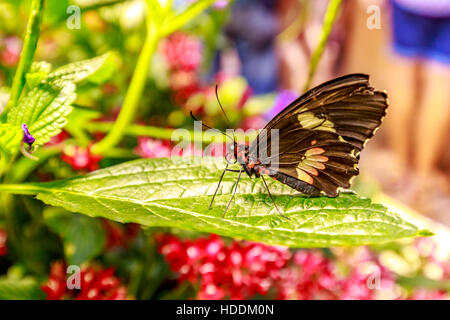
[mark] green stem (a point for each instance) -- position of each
(133, 95)
(25, 189)
(119, 153)
(330, 17)
(132, 130)
(24, 166)
(159, 24)
(103, 4)
(27, 54)
(160, 133)
(190, 13)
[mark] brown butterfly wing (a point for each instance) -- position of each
(322, 133)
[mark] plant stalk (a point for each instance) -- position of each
(24, 189)
(133, 95)
(330, 17)
(163, 133)
(27, 54)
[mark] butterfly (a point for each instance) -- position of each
(320, 137)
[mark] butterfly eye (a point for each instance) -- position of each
(230, 158)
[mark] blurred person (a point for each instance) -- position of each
(302, 23)
(420, 107)
(252, 29)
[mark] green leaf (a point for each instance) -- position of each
(44, 110)
(46, 105)
(38, 72)
(176, 193)
(106, 70)
(82, 70)
(10, 138)
(20, 289)
(83, 237)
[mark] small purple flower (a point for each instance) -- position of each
(282, 100)
(27, 137)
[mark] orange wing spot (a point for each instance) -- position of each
(302, 175)
(310, 170)
(314, 151)
(312, 163)
(313, 142)
(274, 178)
(251, 165)
(318, 158)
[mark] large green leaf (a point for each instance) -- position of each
(83, 238)
(20, 289)
(176, 193)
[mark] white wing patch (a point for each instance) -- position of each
(309, 121)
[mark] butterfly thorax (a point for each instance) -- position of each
(250, 163)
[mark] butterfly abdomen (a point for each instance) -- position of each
(298, 185)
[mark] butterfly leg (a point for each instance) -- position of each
(270, 195)
(234, 192)
(220, 180)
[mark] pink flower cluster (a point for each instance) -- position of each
(3, 248)
(182, 52)
(10, 48)
(247, 270)
(95, 284)
(81, 158)
(237, 271)
(183, 55)
(155, 148)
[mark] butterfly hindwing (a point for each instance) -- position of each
(321, 134)
(319, 159)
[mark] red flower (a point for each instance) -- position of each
(245, 270)
(10, 53)
(81, 158)
(237, 271)
(3, 248)
(63, 135)
(182, 52)
(153, 148)
(119, 235)
(187, 151)
(95, 284)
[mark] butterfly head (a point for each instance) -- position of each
(231, 155)
(236, 153)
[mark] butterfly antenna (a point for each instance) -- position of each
(223, 110)
(208, 127)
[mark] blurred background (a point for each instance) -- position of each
(259, 52)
